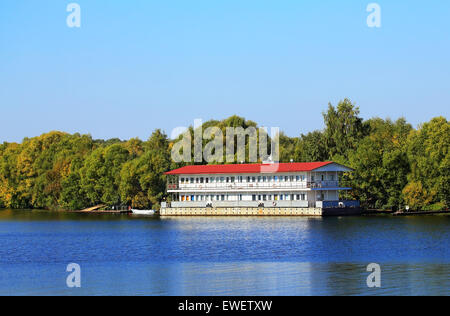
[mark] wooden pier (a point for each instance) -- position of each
(98, 210)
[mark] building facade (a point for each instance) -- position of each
(264, 188)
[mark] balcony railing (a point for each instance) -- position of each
(265, 204)
(253, 185)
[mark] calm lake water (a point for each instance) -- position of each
(129, 255)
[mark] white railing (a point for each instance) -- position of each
(266, 204)
(256, 185)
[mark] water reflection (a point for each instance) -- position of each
(222, 256)
(232, 278)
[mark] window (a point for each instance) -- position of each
(222, 179)
(286, 178)
(259, 178)
(217, 198)
(192, 180)
(281, 197)
(207, 180)
(182, 180)
(192, 198)
(275, 197)
(270, 197)
(259, 197)
(297, 178)
(253, 179)
(264, 197)
(240, 197)
(201, 180)
(197, 180)
(312, 178)
(298, 197)
(264, 179)
(222, 197)
(254, 197)
(291, 178)
(332, 177)
(232, 179)
(275, 178)
(323, 178)
(248, 179)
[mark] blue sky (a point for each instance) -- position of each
(135, 66)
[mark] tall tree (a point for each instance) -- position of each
(311, 147)
(381, 164)
(100, 175)
(343, 129)
(143, 182)
(428, 153)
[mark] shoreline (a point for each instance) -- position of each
(100, 212)
(420, 213)
(363, 213)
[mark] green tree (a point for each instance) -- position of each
(287, 148)
(311, 147)
(143, 182)
(381, 164)
(428, 153)
(343, 129)
(100, 175)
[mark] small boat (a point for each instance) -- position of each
(143, 212)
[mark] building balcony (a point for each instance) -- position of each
(252, 186)
(243, 204)
(264, 204)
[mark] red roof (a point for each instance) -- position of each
(249, 168)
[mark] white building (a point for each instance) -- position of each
(284, 185)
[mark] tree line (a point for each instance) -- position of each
(395, 164)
